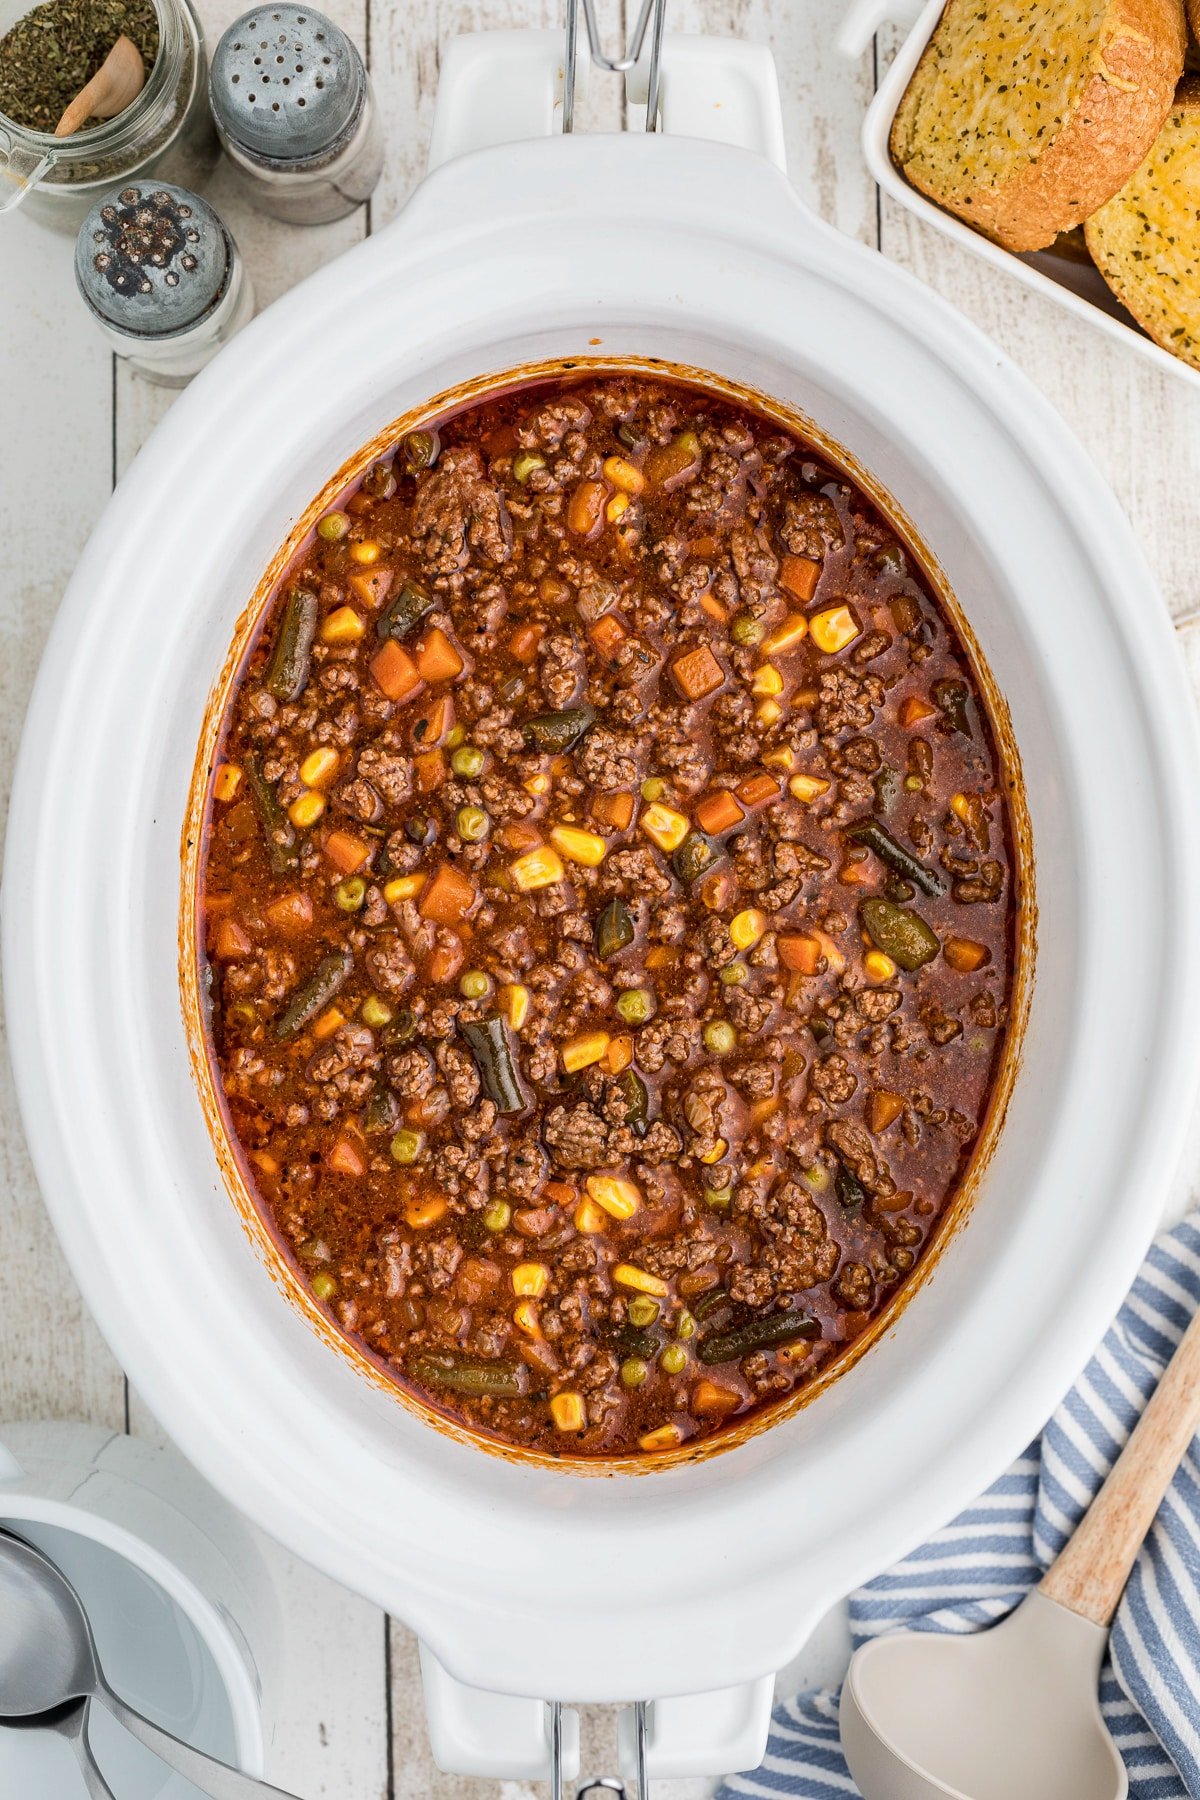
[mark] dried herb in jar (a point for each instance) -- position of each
(53, 51)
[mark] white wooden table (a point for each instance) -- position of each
(71, 420)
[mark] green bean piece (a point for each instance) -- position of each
(852, 1195)
(694, 856)
(614, 929)
(314, 995)
(820, 1027)
(708, 1305)
(632, 1342)
(419, 450)
(890, 560)
(277, 827)
(380, 481)
(887, 787)
(637, 1101)
(899, 891)
(889, 850)
(950, 698)
(490, 1045)
(464, 1375)
(287, 672)
(403, 614)
(757, 1334)
(402, 1029)
(906, 612)
(383, 1111)
(554, 732)
(899, 932)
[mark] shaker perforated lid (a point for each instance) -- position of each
(285, 83)
(152, 259)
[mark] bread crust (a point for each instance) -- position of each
(1107, 135)
(1141, 294)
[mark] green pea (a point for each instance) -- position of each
(686, 1327)
(643, 1310)
(351, 893)
(455, 736)
(471, 823)
(324, 1287)
(525, 462)
(719, 1197)
(674, 1359)
(497, 1215)
(719, 1037)
(474, 984)
(817, 1177)
(407, 1146)
(376, 1012)
(635, 1005)
(633, 1372)
(653, 788)
(333, 526)
(734, 974)
(746, 629)
(467, 760)
(914, 784)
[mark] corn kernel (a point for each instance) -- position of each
(317, 768)
(877, 966)
(767, 680)
(962, 808)
(663, 826)
(580, 1052)
(619, 1197)
(589, 1218)
(616, 508)
(538, 868)
(807, 787)
(663, 1437)
(833, 629)
(638, 1279)
(746, 927)
(716, 1153)
(228, 781)
(307, 809)
(579, 846)
(530, 1278)
(768, 712)
(567, 1412)
(525, 1318)
(787, 635)
(514, 1004)
(404, 887)
(367, 552)
(624, 475)
(426, 1212)
(537, 785)
(782, 758)
(343, 626)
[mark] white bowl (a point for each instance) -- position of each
(531, 1581)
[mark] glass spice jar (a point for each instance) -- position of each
(166, 132)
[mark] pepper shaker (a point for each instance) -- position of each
(163, 279)
(296, 114)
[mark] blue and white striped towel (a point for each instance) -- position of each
(981, 1565)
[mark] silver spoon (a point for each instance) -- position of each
(1015, 1710)
(71, 1722)
(48, 1657)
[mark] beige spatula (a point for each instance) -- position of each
(119, 79)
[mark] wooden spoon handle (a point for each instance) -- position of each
(1089, 1575)
(117, 82)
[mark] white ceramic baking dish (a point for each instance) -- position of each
(526, 1581)
(1074, 284)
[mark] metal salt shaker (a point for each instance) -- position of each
(296, 115)
(163, 279)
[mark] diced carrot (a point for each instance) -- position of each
(217, 903)
(394, 671)
(613, 809)
(756, 789)
(262, 1159)
(346, 852)
(291, 912)
(433, 723)
(426, 1212)
(360, 503)
(761, 1111)
(619, 1054)
(445, 959)
(856, 872)
(372, 585)
(965, 955)
(448, 897)
(346, 1159)
(520, 836)
(562, 1193)
(883, 1109)
(328, 1023)
(430, 770)
(718, 812)
(669, 465)
(710, 1399)
(231, 941)
(914, 710)
(703, 546)
(662, 956)
(799, 951)
(799, 575)
(438, 658)
(714, 609)
(697, 673)
(523, 644)
(585, 513)
(608, 634)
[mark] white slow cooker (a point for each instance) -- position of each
(528, 1583)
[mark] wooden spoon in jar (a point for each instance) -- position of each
(119, 80)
